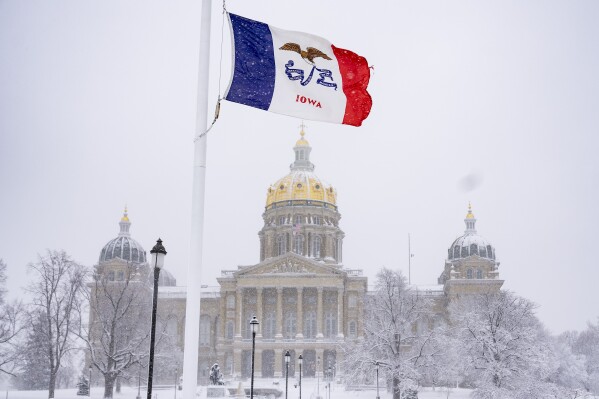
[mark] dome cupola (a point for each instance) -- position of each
(123, 246)
(470, 243)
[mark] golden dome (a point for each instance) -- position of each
(301, 185)
(125, 217)
(469, 215)
(302, 142)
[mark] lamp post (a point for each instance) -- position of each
(287, 360)
(254, 325)
(317, 377)
(176, 375)
(138, 383)
(300, 361)
(89, 391)
(377, 380)
(158, 254)
(330, 373)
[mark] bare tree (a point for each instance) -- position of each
(57, 293)
(396, 335)
(119, 325)
(11, 325)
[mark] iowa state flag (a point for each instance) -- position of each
(297, 74)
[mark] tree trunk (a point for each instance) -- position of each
(108, 385)
(118, 385)
(52, 384)
(396, 391)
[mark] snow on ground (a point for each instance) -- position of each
(309, 391)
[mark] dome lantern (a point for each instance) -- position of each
(302, 151)
(123, 246)
(470, 221)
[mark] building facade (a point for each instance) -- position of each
(306, 300)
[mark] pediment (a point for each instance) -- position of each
(290, 264)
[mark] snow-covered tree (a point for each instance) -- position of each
(56, 290)
(11, 324)
(586, 344)
(396, 334)
(503, 344)
(117, 337)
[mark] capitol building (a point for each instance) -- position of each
(306, 300)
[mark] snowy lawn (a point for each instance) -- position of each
(309, 391)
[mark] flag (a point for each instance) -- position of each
(297, 74)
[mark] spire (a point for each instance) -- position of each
(124, 224)
(470, 221)
(302, 152)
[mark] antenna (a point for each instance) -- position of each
(410, 256)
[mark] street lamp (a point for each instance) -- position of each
(138, 383)
(377, 380)
(330, 373)
(176, 378)
(317, 378)
(287, 360)
(300, 360)
(158, 254)
(254, 325)
(89, 391)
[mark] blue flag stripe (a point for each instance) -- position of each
(253, 80)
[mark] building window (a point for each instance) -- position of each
(352, 329)
(281, 220)
(111, 276)
(281, 245)
(330, 324)
(120, 276)
(352, 301)
(316, 220)
(456, 252)
(473, 249)
(316, 244)
(310, 325)
(490, 253)
(469, 274)
(230, 329)
(230, 301)
(479, 274)
(483, 251)
(298, 244)
(464, 252)
(290, 325)
(204, 330)
(269, 326)
(298, 219)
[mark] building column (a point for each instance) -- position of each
(300, 314)
(239, 309)
(237, 362)
(258, 363)
(259, 311)
(223, 318)
(319, 314)
(279, 360)
(279, 323)
(340, 323)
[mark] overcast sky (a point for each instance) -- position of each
(490, 102)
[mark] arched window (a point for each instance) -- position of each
(316, 220)
(330, 324)
(204, 330)
(290, 325)
(230, 329)
(316, 244)
(469, 274)
(352, 301)
(479, 274)
(268, 331)
(298, 219)
(473, 249)
(490, 253)
(298, 244)
(281, 245)
(456, 251)
(352, 331)
(483, 251)
(310, 325)
(464, 251)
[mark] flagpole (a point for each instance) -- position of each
(194, 267)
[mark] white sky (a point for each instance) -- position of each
(97, 110)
